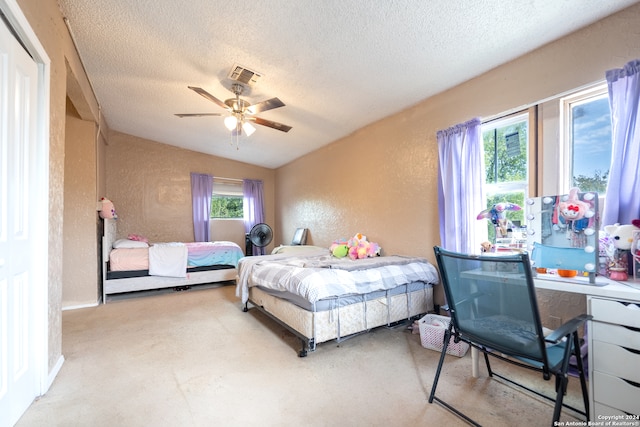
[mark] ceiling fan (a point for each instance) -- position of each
(242, 113)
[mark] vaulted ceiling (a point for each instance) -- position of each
(337, 65)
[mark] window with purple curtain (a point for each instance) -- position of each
(201, 190)
(460, 181)
(253, 207)
(622, 203)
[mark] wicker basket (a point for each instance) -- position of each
(432, 329)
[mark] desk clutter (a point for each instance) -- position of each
(564, 236)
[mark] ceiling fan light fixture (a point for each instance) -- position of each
(248, 128)
(231, 122)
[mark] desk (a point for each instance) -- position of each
(613, 339)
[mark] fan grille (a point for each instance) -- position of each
(261, 235)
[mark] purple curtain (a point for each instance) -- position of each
(201, 190)
(622, 201)
(461, 177)
(253, 207)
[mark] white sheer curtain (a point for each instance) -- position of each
(622, 201)
(461, 177)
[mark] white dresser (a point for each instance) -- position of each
(614, 357)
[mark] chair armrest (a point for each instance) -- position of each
(567, 328)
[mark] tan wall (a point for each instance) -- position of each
(46, 21)
(150, 185)
(80, 250)
(381, 180)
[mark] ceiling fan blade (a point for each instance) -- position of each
(208, 96)
(269, 104)
(197, 114)
(269, 123)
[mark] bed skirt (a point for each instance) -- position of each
(341, 321)
(135, 284)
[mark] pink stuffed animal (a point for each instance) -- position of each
(573, 208)
(357, 247)
(107, 210)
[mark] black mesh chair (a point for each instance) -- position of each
(493, 307)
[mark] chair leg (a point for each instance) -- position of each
(583, 380)
(486, 360)
(432, 396)
(562, 379)
(443, 353)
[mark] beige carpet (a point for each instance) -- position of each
(194, 358)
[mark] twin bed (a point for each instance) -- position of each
(321, 298)
(131, 265)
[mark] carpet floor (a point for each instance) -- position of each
(194, 358)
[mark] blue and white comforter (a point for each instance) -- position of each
(321, 276)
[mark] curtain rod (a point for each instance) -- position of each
(219, 178)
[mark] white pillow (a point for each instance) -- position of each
(128, 244)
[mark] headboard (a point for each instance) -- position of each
(108, 238)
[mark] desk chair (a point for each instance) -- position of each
(493, 307)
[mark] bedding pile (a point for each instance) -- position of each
(320, 275)
(168, 259)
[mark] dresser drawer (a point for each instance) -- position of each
(616, 393)
(604, 310)
(617, 361)
(615, 334)
(599, 410)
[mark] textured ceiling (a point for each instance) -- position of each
(338, 65)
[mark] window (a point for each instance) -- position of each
(226, 200)
(586, 122)
(507, 151)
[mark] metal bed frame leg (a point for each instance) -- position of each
(303, 351)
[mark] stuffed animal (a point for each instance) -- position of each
(574, 209)
(107, 210)
(357, 247)
(621, 235)
(340, 251)
(497, 214)
(620, 240)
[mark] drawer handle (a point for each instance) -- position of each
(627, 304)
(631, 350)
(631, 383)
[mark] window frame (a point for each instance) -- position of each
(530, 187)
(577, 97)
(226, 187)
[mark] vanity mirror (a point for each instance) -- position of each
(562, 233)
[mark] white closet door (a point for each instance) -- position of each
(18, 113)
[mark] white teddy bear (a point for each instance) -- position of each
(622, 235)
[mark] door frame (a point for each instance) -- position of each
(40, 256)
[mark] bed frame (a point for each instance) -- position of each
(133, 284)
(344, 322)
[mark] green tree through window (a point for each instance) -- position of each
(226, 207)
(506, 145)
